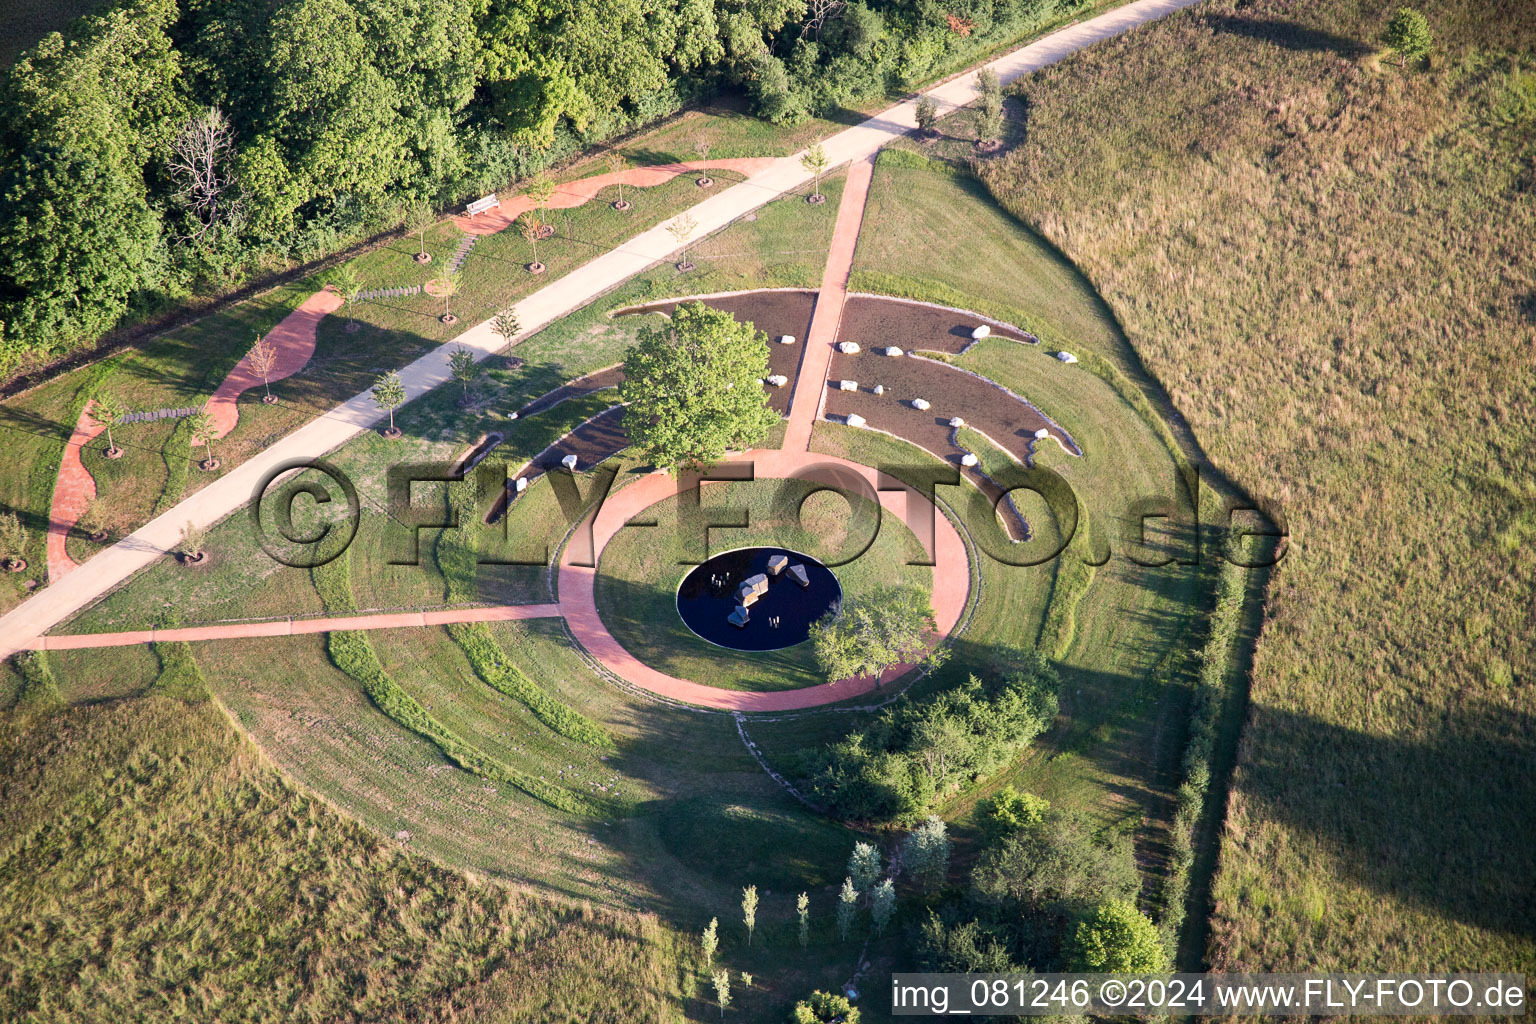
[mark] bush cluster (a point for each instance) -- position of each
(918, 750)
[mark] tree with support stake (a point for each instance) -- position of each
(13, 541)
(203, 432)
(702, 148)
(532, 230)
(344, 279)
(448, 286)
(388, 394)
(541, 190)
(420, 217)
(617, 164)
(107, 411)
(264, 361)
(815, 161)
(507, 326)
(681, 230)
(462, 365)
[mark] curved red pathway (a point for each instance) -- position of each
(294, 342)
(73, 491)
(575, 193)
(951, 580)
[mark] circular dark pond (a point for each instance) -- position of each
(782, 610)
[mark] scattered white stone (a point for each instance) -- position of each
(956, 421)
(1042, 434)
(855, 420)
(969, 459)
(778, 380)
(521, 485)
(848, 348)
(921, 404)
(879, 389)
(569, 462)
(1066, 357)
(512, 417)
(981, 332)
(894, 350)
(786, 339)
(847, 385)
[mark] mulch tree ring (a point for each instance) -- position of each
(423, 258)
(352, 327)
(535, 267)
(209, 465)
(621, 205)
(546, 231)
(16, 565)
(392, 433)
(685, 266)
(99, 537)
(268, 399)
(199, 559)
(705, 182)
(512, 362)
(815, 198)
(113, 453)
(448, 318)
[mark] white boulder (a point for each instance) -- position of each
(921, 404)
(855, 420)
(1042, 434)
(786, 339)
(879, 389)
(569, 462)
(969, 459)
(848, 348)
(778, 380)
(956, 421)
(847, 385)
(521, 484)
(894, 350)
(981, 332)
(1066, 357)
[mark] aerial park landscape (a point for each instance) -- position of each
(941, 498)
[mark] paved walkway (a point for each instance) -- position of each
(571, 194)
(232, 491)
(951, 581)
(297, 627)
(811, 381)
(73, 491)
(293, 341)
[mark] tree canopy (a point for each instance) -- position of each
(691, 388)
(866, 637)
(1118, 938)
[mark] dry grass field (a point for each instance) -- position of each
(1325, 258)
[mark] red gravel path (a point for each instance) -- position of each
(73, 490)
(294, 340)
(583, 190)
(951, 584)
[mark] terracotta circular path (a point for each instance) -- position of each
(951, 581)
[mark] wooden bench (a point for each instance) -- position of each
(482, 204)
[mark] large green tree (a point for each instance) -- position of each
(875, 633)
(691, 388)
(1118, 938)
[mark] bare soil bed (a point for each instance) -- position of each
(873, 320)
(775, 313)
(597, 440)
(1008, 419)
(597, 380)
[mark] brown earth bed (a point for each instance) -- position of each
(874, 321)
(775, 313)
(597, 380)
(595, 441)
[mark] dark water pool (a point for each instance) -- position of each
(780, 618)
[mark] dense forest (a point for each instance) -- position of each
(164, 148)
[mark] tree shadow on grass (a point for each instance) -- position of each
(1289, 35)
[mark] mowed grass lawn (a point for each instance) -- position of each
(641, 569)
(1325, 258)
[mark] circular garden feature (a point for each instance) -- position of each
(758, 598)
